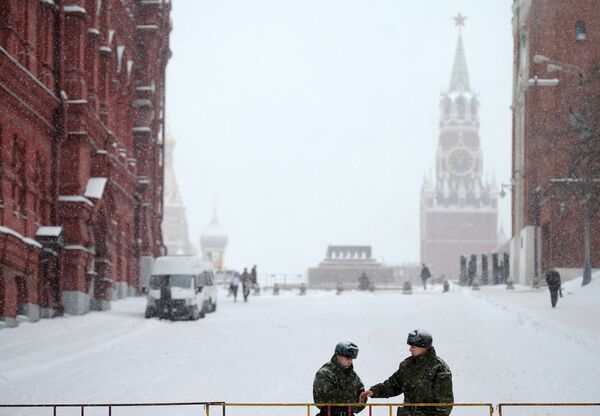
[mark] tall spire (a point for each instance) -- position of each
(459, 82)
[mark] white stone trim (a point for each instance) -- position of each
(79, 247)
(26, 240)
(74, 8)
(26, 71)
(143, 102)
(75, 198)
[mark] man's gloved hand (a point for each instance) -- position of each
(363, 395)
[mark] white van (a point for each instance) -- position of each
(181, 287)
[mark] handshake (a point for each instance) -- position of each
(362, 397)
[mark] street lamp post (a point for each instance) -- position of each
(555, 66)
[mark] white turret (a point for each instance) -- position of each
(213, 241)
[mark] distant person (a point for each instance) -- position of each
(363, 282)
(337, 382)
(423, 378)
(425, 274)
(234, 285)
(554, 283)
(166, 305)
(246, 284)
(253, 275)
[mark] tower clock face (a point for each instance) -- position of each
(460, 161)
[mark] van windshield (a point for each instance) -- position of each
(179, 280)
(174, 280)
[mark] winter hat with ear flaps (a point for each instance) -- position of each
(346, 349)
(420, 338)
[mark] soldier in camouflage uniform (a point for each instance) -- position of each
(336, 382)
(423, 378)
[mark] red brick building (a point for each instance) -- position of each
(459, 214)
(547, 222)
(81, 154)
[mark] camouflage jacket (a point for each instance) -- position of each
(422, 379)
(336, 384)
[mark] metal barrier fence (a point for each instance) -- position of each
(503, 405)
(109, 406)
(350, 405)
(221, 407)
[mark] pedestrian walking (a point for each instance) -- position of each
(234, 285)
(554, 283)
(422, 378)
(253, 275)
(165, 305)
(425, 274)
(337, 382)
(246, 283)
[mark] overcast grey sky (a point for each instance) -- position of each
(313, 122)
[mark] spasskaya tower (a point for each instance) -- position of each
(459, 213)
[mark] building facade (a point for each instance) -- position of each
(548, 213)
(459, 213)
(344, 265)
(81, 154)
(174, 225)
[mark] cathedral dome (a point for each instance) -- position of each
(214, 236)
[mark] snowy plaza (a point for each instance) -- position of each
(502, 346)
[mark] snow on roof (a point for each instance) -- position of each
(74, 8)
(120, 50)
(75, 198)
(129, 69)
(179, 265)
(47, 231)
(95, 187)
(26, 240)
(79, 247)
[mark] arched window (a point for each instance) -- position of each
(19, 172)
(474, 106)
(40, 191)
(4, 151)
(580, 32)
(461, 106)
(446, 107)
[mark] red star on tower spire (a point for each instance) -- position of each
(459, 20)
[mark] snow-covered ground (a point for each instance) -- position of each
(502, 346)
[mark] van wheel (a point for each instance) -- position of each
(202, 313)
(195, 314)
(149, 313)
